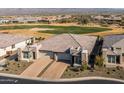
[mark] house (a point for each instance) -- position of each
(10, 43)
(113, 50)
(4, 21)
(74, 49)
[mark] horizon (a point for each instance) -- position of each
(53, 11)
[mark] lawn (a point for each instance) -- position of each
(114, 72)
(58, 29)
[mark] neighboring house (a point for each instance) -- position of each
(71, 48)
(10, 43)
(113, 49)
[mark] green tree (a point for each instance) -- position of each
(83, 20)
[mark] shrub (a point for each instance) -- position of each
(121, 76)
(113, 70)
(119, 68)
(84, 66)
(6, 69)
(76, 69)
(108, 72)
(99, 61)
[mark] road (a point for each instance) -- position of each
(10, 80)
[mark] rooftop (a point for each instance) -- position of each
(61, 43)
(9, 39)
(110, 40)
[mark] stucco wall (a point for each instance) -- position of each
(21, 45)
(2, 52)
(46, 54)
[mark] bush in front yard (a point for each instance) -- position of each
(84, 66)
(75, 69)
(99, 61)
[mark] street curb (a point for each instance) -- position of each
(62, 80)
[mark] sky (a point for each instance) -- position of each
(62, 3)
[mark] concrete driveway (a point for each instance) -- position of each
(36, 68)
(55, 70)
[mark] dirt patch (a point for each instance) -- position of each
(15, 67)
(27, 32)
(111, 32)
(102, 72)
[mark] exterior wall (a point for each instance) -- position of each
(21, 45)
(2, 52)
(123, 59)
(46, 54)
(119, 52)
(104, 50)
(29, 59)
(84, 56)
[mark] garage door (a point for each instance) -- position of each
(63, 56)
(46, 54)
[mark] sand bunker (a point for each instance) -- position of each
(40, 29)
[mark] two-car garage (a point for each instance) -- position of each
(58, 56)
(63, 56)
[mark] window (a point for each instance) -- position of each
(113, 59)
(26, 55)
(109, 59)
(13, 46)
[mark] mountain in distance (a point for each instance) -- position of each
(52, 11)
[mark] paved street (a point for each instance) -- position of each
(12, 80)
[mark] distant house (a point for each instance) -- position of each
(10, 43)
(24, 20)
(72, 48)
(112, 19)
(2, 21)
(113, 49)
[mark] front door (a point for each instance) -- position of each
(72, 62)
(76, 59)
(34, 56)
(118, 59)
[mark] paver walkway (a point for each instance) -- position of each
(55, 71)
(35, 69)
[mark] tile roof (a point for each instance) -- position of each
(61, 43)
(9, 39)
(110, 52)
(119, 43)
(111, 40)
